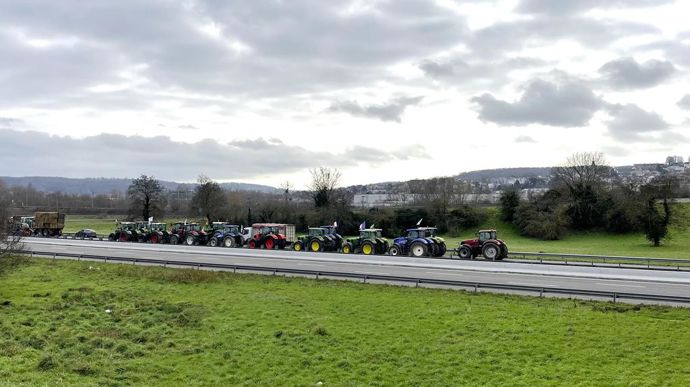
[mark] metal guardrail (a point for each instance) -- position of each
(604, 260)
(476, 286)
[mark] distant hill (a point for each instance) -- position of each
(98, 186)
(504, 173)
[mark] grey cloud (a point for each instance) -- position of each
(630, 121)
(187, 127)
(566, 7)
(461, 72)
(300, 46)
(389, 111)
(567, 104)
(7, 122)
(684, 102)
(524, 139)
(112, 155)
(626, 73)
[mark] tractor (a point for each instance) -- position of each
(324, 238)
(269, 235)
(419, 242)
(369, 242)
(486, 244)
(125, 232)
(188, 233)
(156, 233)
(226, 235)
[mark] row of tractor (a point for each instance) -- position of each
(40, 224)
(417, 242)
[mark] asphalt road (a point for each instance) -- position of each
(585, 278)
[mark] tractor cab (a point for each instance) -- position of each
(129, 226)
(486, 235)
(370, 233)
(158, 227)
(229, 228)
(316, 231)
(421, 232)
(192, 227)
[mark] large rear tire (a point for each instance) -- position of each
(315, 245)
(229, 241)
(490, 251)
(190, 240)
(270, 243)
(155, 238)
(418, 249)
(442, 249)
(465, 252)
(174, 239)
(504, 252)
(123, 237)
(368, 248)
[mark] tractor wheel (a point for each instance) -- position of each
(251, 244)
(141, 238)
(347, 248)
(434, 249)
(123, 237)
(384, 249)
(111, 237)
(442, 249)
(418, 249)
(190, 240)
(270, 243)
(465, 252)
(367, 248)
(394, 250)
(45, 232)
(298, 246)
(490, 251)
(213, 242)
(504, 252)
(154, 239)
(174, 239)
(229, 241)
(315, 245)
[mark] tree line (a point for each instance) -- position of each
(585, 194)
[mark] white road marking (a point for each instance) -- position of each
(536, 285)
(624, 286)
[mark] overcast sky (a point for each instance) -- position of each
(261, 91)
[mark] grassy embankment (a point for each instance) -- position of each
(677, 246)
(172, 327)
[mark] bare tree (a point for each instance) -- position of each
(146, 197)
(208, 199)
(323, 182)
(10, 239)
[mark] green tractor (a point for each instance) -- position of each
(369, 242)
(324, 238)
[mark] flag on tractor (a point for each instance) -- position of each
(363, 225)
(420, 221)
(335, 224)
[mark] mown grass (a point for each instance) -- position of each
(173, 327)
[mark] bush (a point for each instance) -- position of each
(510, 201)
(542, 218)
(465, 217)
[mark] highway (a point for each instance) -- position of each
(622, 280)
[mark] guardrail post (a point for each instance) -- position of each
(476, 288)
(134, 261)
(317, 275)
(275, 271)
(54, 255)
(365, 278)
(541, 292)
(417, 284)
(78, 258)
(615, 297)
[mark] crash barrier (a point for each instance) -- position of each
(417, 281)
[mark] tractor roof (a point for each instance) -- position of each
(372, 229)
(421, 228)
(269, 225)
(487, 231)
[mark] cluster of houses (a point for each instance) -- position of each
(489, 190)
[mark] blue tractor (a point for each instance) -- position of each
(226, 235)
(419, 242)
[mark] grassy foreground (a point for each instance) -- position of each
(173, 327)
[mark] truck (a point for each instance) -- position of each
(48, 223)
(271, 235)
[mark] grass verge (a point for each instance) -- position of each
(87, 324)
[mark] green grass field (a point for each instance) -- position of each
(174, 327)
(677, 246)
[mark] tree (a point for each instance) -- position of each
(10, 241)
(582, 177)
(208, 199)
(323, 183)
(510, 200)
(658, 211)
(146, 197)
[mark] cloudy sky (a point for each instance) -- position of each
(261, 91)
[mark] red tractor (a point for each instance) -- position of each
(486, 244)
(189, 234)
(271, 235)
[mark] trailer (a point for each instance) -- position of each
(48, 223)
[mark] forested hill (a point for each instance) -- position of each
(105, 186)
(504, 173)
